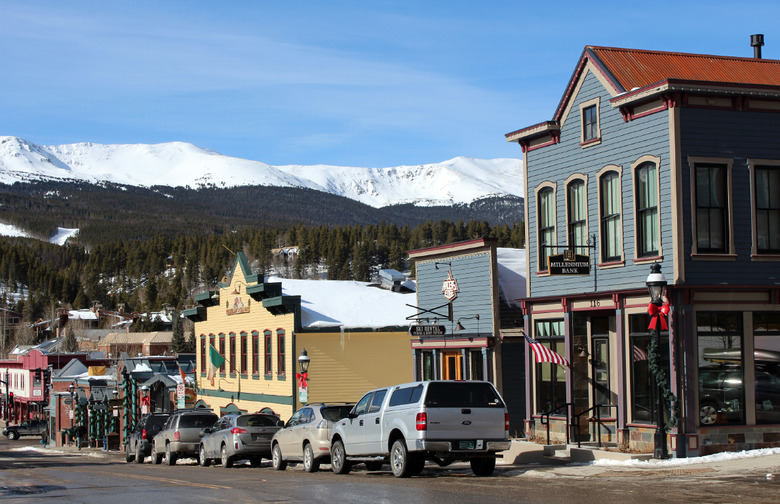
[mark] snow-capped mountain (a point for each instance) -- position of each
(459, 180)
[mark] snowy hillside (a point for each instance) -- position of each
(459, 180)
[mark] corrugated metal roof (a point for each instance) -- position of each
(634, 68)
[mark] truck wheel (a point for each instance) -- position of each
(170, 457)
(128, 453)
(310, 464)
(483, 466)
(338, 458)
(277, 461)
(156, 457)
(139, 454)
(400, 460)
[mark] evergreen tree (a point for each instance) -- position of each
(178, 343)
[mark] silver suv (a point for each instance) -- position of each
(181, 434)
(238, 437)
(306, 435)
(406, 425)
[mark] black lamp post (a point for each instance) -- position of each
(656, 286)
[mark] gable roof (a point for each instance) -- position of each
(631, 74)
(635, 68)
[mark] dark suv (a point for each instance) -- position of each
(181, 434)
(26, 428)
(139, 443)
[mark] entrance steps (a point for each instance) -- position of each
(526, 452)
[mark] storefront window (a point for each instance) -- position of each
(644, 398)
(475, 358)
(721, 368)
(766, 333)
(427, 365)
(550, 378)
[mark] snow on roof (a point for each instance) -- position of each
(347, 304)
(141, 367)
(512, 274)
(84, 314)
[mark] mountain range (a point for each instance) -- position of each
(460, 180)
(110, 192)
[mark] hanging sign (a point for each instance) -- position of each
(450, 287)
(568, 263)
(419, 331)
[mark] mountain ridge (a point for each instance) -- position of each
(461, 180)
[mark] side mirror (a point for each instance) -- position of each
(352, 415)
(279, 423)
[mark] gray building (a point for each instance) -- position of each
(667, 158)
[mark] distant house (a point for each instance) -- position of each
(664, 158)
(139, 344)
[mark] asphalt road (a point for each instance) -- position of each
(29, 475)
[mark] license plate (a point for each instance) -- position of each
(465, 445)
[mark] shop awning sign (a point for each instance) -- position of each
(568, 263)
(425, 330)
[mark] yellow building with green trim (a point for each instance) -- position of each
(355, 334)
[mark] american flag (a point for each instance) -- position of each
(639, 354)
(544, 354)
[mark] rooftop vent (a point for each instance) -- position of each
(756, 41)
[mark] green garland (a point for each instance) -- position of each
(654, 363)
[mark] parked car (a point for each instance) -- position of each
(181, 435)
(722, 394)
(406, 425)
(138, 445)
(306, 435)
(238, 437)
(26, 428)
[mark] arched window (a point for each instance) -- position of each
(610, 209)
(577, 210)
(546, 225)
(647, 234)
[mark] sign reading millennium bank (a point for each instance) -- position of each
(568, 263)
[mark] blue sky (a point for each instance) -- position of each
(352, 83)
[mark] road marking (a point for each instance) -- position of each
(164, 480)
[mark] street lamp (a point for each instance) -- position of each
(303, 361)
(303, 376)
(656, 286)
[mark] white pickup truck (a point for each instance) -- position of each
(405, 425)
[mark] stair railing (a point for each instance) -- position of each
(545, 419)
(577, 418)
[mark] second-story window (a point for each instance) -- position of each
(255, 353)
(577, 213)
(232, 353)
(767, 209)
(222, 351)
(280, 363)
(268, 355)
(243, 353)
(546, 228)
(647, 239)
(611, 235)
(712, 209)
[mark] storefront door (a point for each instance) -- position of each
(452, 366)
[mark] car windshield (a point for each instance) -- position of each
(462, 395)
(335, 413)
(197, 421)
(256, 421)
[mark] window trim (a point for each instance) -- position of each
(594, 104)
(553, 188)
(232, 350)
(753, 165)
(222, 353)
(620, 259)
(730, 253)
(576, 179)
(635, 166)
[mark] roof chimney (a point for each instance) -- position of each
(756, 41)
